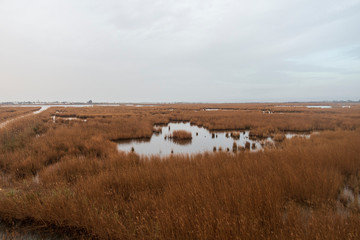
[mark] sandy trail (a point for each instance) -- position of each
(42, 108)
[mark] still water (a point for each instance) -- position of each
(202, 140)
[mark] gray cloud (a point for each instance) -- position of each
(215, 51)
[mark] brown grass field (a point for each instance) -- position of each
(68, 178)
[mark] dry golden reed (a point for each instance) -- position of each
(70, 176)
(181, 135)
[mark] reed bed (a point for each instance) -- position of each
(181, 135)
(69, 176)
(294, 118)
(279, 137)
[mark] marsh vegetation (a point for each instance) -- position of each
(69, 177)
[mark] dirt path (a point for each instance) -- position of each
(3, 124)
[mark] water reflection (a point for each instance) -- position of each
(322, 107)
(55, 118)
(182, 141)
(202, 141)
(291, 135)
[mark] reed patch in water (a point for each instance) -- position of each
(181, 135)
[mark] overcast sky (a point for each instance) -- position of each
(186, 50)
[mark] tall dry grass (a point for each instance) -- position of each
(69, 176)
(180, 135)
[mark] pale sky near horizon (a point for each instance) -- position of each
(179, 51)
